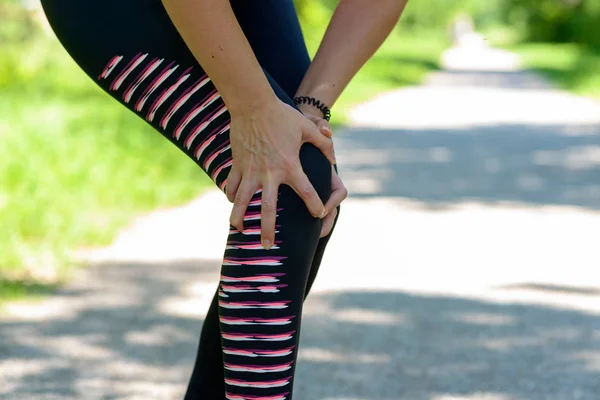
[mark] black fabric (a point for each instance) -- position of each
(249, 340)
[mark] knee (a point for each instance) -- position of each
(318, 170)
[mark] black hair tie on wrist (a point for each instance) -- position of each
(314, 102)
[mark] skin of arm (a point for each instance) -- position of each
(356, 30)
(215, 38)
(265, 133)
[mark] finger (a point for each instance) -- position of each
(307, 193)
(322, 124)
(328, 223)
(338, 194)
(268, 215)
(336, 198)
(320, 141)
(233, 182)
(324, 127)
(240, 204)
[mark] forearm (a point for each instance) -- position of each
(356, 30)
(212, 33)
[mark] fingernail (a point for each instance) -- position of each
(324, 214)
(267, 244)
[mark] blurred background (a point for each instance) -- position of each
(470, 144)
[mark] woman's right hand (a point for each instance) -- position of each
(265, 146)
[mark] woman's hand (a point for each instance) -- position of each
(265, 146)
(338, 194)
(338, 190)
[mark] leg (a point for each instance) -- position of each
(279, 46)
(273, 30)
(148, 68)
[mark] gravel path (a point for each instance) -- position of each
(464, 267)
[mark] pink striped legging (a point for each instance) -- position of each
(249, 341)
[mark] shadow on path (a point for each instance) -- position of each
(126, 330)
(395, 345)
(535, 165)
(114, 333)
(119, 338)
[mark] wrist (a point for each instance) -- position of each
(306, 103)
(247, 96)
(251, 104)
(323, 91)
(309, 110)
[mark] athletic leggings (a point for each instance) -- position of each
(249, 340)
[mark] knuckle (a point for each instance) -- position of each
(268, 204)
(238, 202)
(308, 190)
(268, 234)
(290, 164)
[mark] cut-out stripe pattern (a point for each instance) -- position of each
(258, 322)
(166, 94)
(159, 80)
(182, 100)
(231, 396)
(146, 72)
(133, 64)
(112, 64)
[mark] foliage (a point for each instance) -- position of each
(573, 67)
(15, 23)
(75, 165)
(557, 21)
(428, 15)
(404, 59)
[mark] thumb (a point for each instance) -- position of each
(324, 127)
(322, 124)
(322, 142)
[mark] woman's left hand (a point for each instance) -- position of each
(338, 194)
(338, 190)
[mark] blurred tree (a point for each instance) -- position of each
(558, 21)
(419, 14)
(16, 22)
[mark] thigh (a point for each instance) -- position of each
(274, 32)
(92, 31)
(134, 52)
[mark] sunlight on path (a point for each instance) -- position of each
(464, 265)
(478, 86)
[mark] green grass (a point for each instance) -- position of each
(570, 66)
(76, 165)
(18, 289)
(404, 59)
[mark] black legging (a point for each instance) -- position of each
(249, 342)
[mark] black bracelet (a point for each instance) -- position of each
(314, 102)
